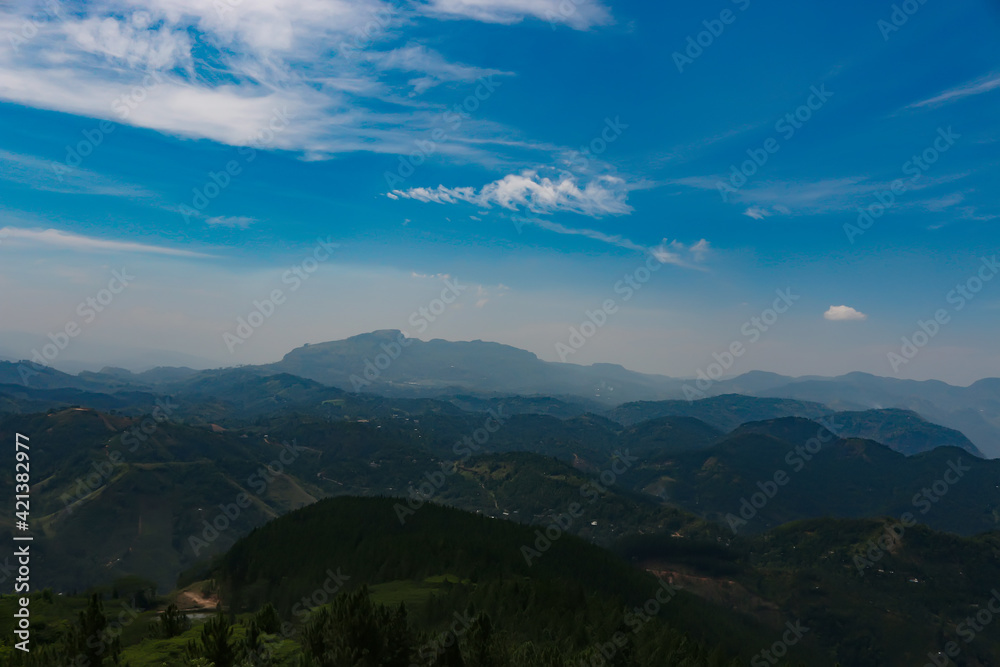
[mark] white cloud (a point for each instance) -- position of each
(601, 195)
(221, 70)
(431, 64)
(132, 41)
(679, 254)
(236, 221)
(757, 213)
(486, 294)
(977, 87)
(70, 241)
(47, 176)
(941, 203)
(841, 313)
(829, 195)
(667, 252)
(579, 14)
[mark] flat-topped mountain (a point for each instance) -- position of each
(387, 362)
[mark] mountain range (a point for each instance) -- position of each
(387, 363)
(441, 481)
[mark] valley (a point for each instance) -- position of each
(861, 525)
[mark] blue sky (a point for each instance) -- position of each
(536, 152)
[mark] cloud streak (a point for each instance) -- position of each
(233, 221)
(70, 241)
(578, 14)
(977, 87)
(817, 197)
(600, 196)
(667, 252)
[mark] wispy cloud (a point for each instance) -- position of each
(612, 239)
(70, 241)
(433, 68)
(57, 177)
(579, 14)
(939, 204)
(816, 197)
(237, 221)
(679, 254)
(599, 196)
(757, 213)
(691, 150)
(222, 70)
(978, 87)
(667, 252)
(486, 294)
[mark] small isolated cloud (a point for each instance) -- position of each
(757, 213)
(841, 313)
(679, 254)
(236, 221)
(485, 294)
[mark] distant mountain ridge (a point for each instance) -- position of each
(389, 364)
(801, 470)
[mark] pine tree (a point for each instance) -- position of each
(89, 638)
(215, 644)
(354, 631)
(172, 622)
